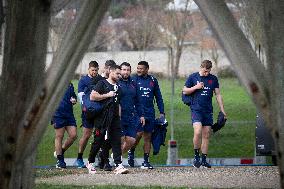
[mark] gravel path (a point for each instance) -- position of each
(216, 177)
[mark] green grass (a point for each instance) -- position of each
(234, 140)
(48, 186)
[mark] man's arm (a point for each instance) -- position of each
(95, 96)
(73, 94)
(190, 90)
(220, 100)
(159, 98)
(81, 90)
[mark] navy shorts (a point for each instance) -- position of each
(206, 118)
(60, 122)
(87, 123)
(128, 127)
(148, 127)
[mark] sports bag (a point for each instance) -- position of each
(186, 99)
(90, 107)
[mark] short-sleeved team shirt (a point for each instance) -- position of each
(84, 83)
(202, 98)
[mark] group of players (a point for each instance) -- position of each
(128, 115)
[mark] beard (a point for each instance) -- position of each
(124, 76)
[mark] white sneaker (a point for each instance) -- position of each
(91, 168)
(120, 170)
(54, 154)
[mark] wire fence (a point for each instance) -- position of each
(235, 140)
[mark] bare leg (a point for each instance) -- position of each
(127, 143)
(138, 138)
(147, 142)
(87, 133)
(197, 135)
(205, 139)
(59, 134)
(72, 136)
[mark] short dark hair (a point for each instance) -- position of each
(109, 63)
(206, 64)
(93, 64)
(125, 64)
(144, 63)
(114, 67)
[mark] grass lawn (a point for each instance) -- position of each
(234, 140)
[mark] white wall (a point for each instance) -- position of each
(189, 63)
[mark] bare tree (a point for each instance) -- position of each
(263, 82)
(173, 25)
(139, 27)
(29, 95)
(210, 46)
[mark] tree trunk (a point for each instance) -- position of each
(273, 27)
(264, 84)
(23, 63)
(179, 46)
(29, 95)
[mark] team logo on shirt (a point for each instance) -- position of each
(145, 91)
(152, 83)
(210, 82)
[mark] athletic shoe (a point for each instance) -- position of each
(107, 167)
(130, 158)
(91, 168)
(146, 165)
(196, 162)
(79, 163)
(205, 165)
(54, 154)
(60, 164)
(120, 169)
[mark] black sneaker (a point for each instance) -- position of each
(196, 162)
(147, 165)
(61, 164)
(205, 165)
(107, 167)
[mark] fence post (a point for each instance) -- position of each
(172, 152)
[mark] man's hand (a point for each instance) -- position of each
(111, 94)
(199, 85)
(162, 116)
(73, 100)
(142, 120)
(225, 115)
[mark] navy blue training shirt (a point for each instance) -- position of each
(202, 98)
(129, 100)
(65, 108)
(148, 89)
(84, 83)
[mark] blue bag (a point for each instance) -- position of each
(90, 107)
(186, 99)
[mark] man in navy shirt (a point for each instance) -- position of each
(88, 125)
(201, 86)
(130, 104)
(63, 119)
(148, 89)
